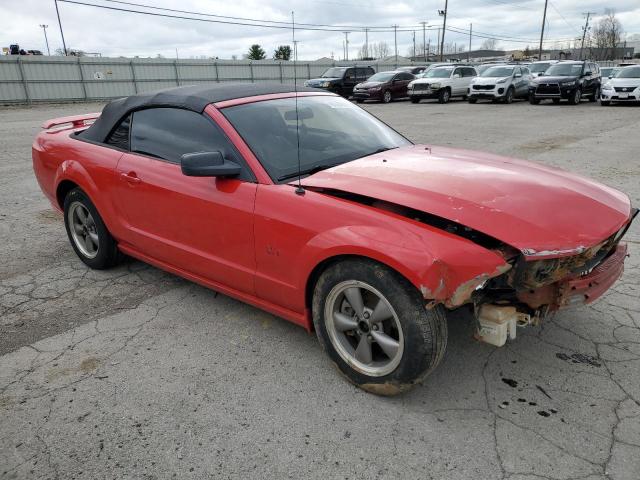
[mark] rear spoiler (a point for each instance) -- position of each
(67, 123)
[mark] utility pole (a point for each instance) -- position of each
(64, 45)
(424, 40)
(544, 20)
(428, 50)
(584, 32)
(46, 40)
(346, 46)
(295, 50)
(414, 44)
(366, 43)
(470, 34)
(438, 43)
(395, 41)
(443, 13)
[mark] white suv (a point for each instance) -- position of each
(624, 87)
(442, 83)
(501, 82)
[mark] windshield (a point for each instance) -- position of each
(331, 129)
(381, 77)
(482, 68)
(333, 73)
(629, 72)
(497, 72)
(539, 67)
(564, 70)
(438, 73)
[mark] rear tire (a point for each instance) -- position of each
(87, 233)
(444, 95)
(393, 343)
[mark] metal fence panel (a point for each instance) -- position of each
(26, 79)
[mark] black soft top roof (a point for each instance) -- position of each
(194, 98)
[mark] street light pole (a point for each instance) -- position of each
(470, 33)
(346, 45)
(424, 41)
(544, 19)
(366, 43)
(64, 45)
(46, 40)
(395, 42)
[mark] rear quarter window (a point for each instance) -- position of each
(120, 136)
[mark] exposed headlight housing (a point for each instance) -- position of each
(502, 80)
(374, 89)
(607, 86)
(435, 85)
(325, 84)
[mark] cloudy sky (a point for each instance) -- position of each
(115, 33)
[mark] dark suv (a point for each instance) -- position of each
(383, 86)
(567, 80)
(341, 80)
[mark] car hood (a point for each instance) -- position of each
(540, 210)
(556, 79)
(318, 81)
(488, 80)
(624, 82)
(369, 84)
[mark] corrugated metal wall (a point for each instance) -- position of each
(27, 79)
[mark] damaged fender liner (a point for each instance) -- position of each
(463, 292)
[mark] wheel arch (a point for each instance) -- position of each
(63, 189)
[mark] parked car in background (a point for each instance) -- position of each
(608, 72)
(624, 87)
(500, 82)
(383, 86)
(342, 225)
(341, 80)
(567, 80)
(414, 69)
(537, 69)
(443, 83)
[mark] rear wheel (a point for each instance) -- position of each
(87, 233)
(374, 326)
(575, 97)
(444, 96)
(386, 96)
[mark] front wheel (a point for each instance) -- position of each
(444, 96)
(415, 100)
(87, 233)
(508, 98)
(473, 100)
(575, 97)
(533, 100)
(386, 96)
(374, 326)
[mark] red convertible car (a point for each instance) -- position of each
(304, 205)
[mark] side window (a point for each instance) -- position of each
(457, 71)
(517, 71)
(525, 71)
(168, 133)
(349, 74)
(407, 76)
(119, 137)
(469, 72)
(368, 72)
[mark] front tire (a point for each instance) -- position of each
(533, 100)
(575, 98)
(444, 96)
(415, 100)
(508, 97)
(374, 326)
(87, 233)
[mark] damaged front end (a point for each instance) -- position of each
(535, 288)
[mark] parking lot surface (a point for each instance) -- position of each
(135, 373)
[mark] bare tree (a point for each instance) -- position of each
(379, 50)
(489, 44)
(606, 35)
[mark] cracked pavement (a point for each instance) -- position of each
(135, 373)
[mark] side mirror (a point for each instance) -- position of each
(456, 75)
(208, 164)
(518, 75)
(610, 76)
(587, 74)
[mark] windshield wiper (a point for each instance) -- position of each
(309, 171)
(380, 150)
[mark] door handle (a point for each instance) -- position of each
(130, 177)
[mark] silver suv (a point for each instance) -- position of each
(501, 83)
(443, 83)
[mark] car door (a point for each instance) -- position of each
(468, 73)
(349, 81)
(516, 81)
(458, 82)
(402, 81)
(201, 225)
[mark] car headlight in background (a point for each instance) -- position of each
(607, 86)
(435, 85)
(568, 84)
(502, 80)
(374, 89)
(325, 84)
(306, 84)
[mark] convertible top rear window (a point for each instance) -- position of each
(332, 131)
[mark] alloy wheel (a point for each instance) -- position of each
(83, 229)
(387, 96)
(364, 328)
